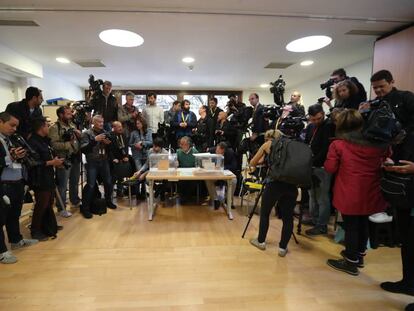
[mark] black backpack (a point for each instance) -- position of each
(380, 126)
(290, 161)
(98, 204)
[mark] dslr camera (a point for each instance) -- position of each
(31, 158)
(327, 84)
(68, 135)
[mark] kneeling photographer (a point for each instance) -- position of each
(275, 191)
(95, 145)
(42, 181)
(65, 139)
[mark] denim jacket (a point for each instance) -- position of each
(146, 139)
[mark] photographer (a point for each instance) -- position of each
(212, 116)
(118, 156)
(153, 114)
(201, 131)
(402, 104)
(169, 119)
(128, 113)
(185, 120)
(105, 104)
(275, 191)
(42, 181)
(318, 135)
(224, 131)
(11, 189)
(95, 145)
(339, 75)
(65, 139)
(26, 110)
(259, 125)
(346, 96)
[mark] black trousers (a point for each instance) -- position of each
(9, 215)
(44, 201)
(356, 236)
(405, 223)
(285, 194)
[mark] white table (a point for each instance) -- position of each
(189, 174)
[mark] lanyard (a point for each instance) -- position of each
(213, 113)
(313, 135)
(186, 117)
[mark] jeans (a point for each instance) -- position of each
(356, 236)
(285, 194)
(63, 176)
(93, 169)
(11, 214)
(319, 198)
(211, 187)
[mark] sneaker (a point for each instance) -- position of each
(360, 263)
(380, 218)
(410, 307)
(398, 288)
(282, 252)
(344, 266)
(39, 236)
(255, 242)
(24, 243)
(65, 213)
(111, 205)
(7, 258)
(317, 230)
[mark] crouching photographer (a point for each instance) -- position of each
(94, 144)
(11, 189)
(65, 139)
(42, 181)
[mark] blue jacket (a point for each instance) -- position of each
(146, 139)
(184, 116)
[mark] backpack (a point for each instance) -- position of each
(290, 161)
(380, 123)
(395, 188)
(98, 204)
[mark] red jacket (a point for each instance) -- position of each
(358, 172)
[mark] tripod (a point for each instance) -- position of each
(254, 209)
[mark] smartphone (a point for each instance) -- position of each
(388, 164)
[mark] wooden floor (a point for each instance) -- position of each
(188, 258)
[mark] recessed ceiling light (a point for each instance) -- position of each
(121, 38)
(306, 63)
(63, 60)
(188, 60)
(264, 85)
(308, 44)
(185, 83)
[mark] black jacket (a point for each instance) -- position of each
(402, 104)
(119, 147)
(108, 110)
(21, 111)
(201, 136)
(212, 123)
(319, 140)
(230, 159)
(258, 122)
(42, 177)
(94, 151)
(229, 133)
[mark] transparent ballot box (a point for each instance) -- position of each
(162, 163)
(209, 163)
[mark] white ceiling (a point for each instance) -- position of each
(231, 40)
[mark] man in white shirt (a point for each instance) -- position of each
(153, 114)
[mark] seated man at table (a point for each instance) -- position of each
(230, 163)
(186, 158)
(157, 148)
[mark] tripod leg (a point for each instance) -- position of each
(253, 210)
(294, 237)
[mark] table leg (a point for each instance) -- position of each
(130, 196)
(151, 200)
(229, 198)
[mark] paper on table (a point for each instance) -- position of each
(228, 173)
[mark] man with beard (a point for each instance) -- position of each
(184, 121)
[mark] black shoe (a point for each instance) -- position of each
(216, 204)
(360, 263)
(59, 227)
(317, 230)
(86, 213)
(398, 288)
(233, 207)
(343, 265)
(111, 205)
(39, 236)
(410, 307)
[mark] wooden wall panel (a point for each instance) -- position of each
(396, 54)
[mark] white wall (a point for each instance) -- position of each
(311, 90)
(7, 94)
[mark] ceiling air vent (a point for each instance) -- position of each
(5, 22)
(278, 65)
(360, 32)
(94, 63)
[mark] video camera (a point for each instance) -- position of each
(116, 143)
(327, 84)
(31, 158)
(272, 112)
(278, 90)
(95, 85)
(292, 126)
(80, 117)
